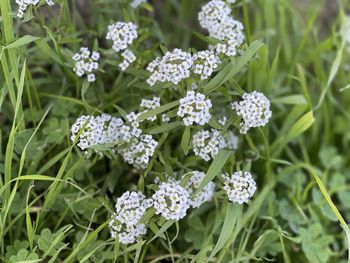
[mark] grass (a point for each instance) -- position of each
(56, 204)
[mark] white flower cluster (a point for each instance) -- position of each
(345, 32)
(173, 66)
(122, 34)
(194, 108)
(196, 200)
(139, 151)
(206, 145)
(216, 17)
(254, 110)
(136, 3)
(98, 130)
(128, 58)
(204, 63)
(23, 5)
(135, 148)
(86, 63)
(130, 208)
(171, 201)
(240, 186)
(231, 140)
(138, 148)
(150, 104)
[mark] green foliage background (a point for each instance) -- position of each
(55, 204)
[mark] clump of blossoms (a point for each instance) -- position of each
(172, 67)
(130, 208)
(240, 186)
(23, 5)
(123, 35)
(139, 151)
(86, 63)
(206, 145)
(171, 200)
(149, 105)
(194, 108)
(231, 140)
(136, 3)
(204, 63)
(128, 58)
(215, 16)
(206, 194)
(254, 110)
(98, 130)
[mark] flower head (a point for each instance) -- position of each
(254, 110)
(98, 130)
(171, 201)
(86, 63)
(240, 186)
(216, 17)
(122, 34)
(130, 208)
(139, 150)
(128, 58)
(204, 63)
(149, 105)
(196, 200)
(194, 108)
(135, 3)
(206, 145)
(23, 5)
(172, 67)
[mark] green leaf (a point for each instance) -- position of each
(185, 141)
(291, 99)
(300, 126)
(233, 68)
(158, 110)
(315, 243)
(215, 168)
(22, 41)
(233, 212)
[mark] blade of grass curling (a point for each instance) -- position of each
(233, 68)
(215, 168)
(233, 212)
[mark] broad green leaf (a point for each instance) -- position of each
(233, 212)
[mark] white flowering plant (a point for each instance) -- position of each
(174, 131)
